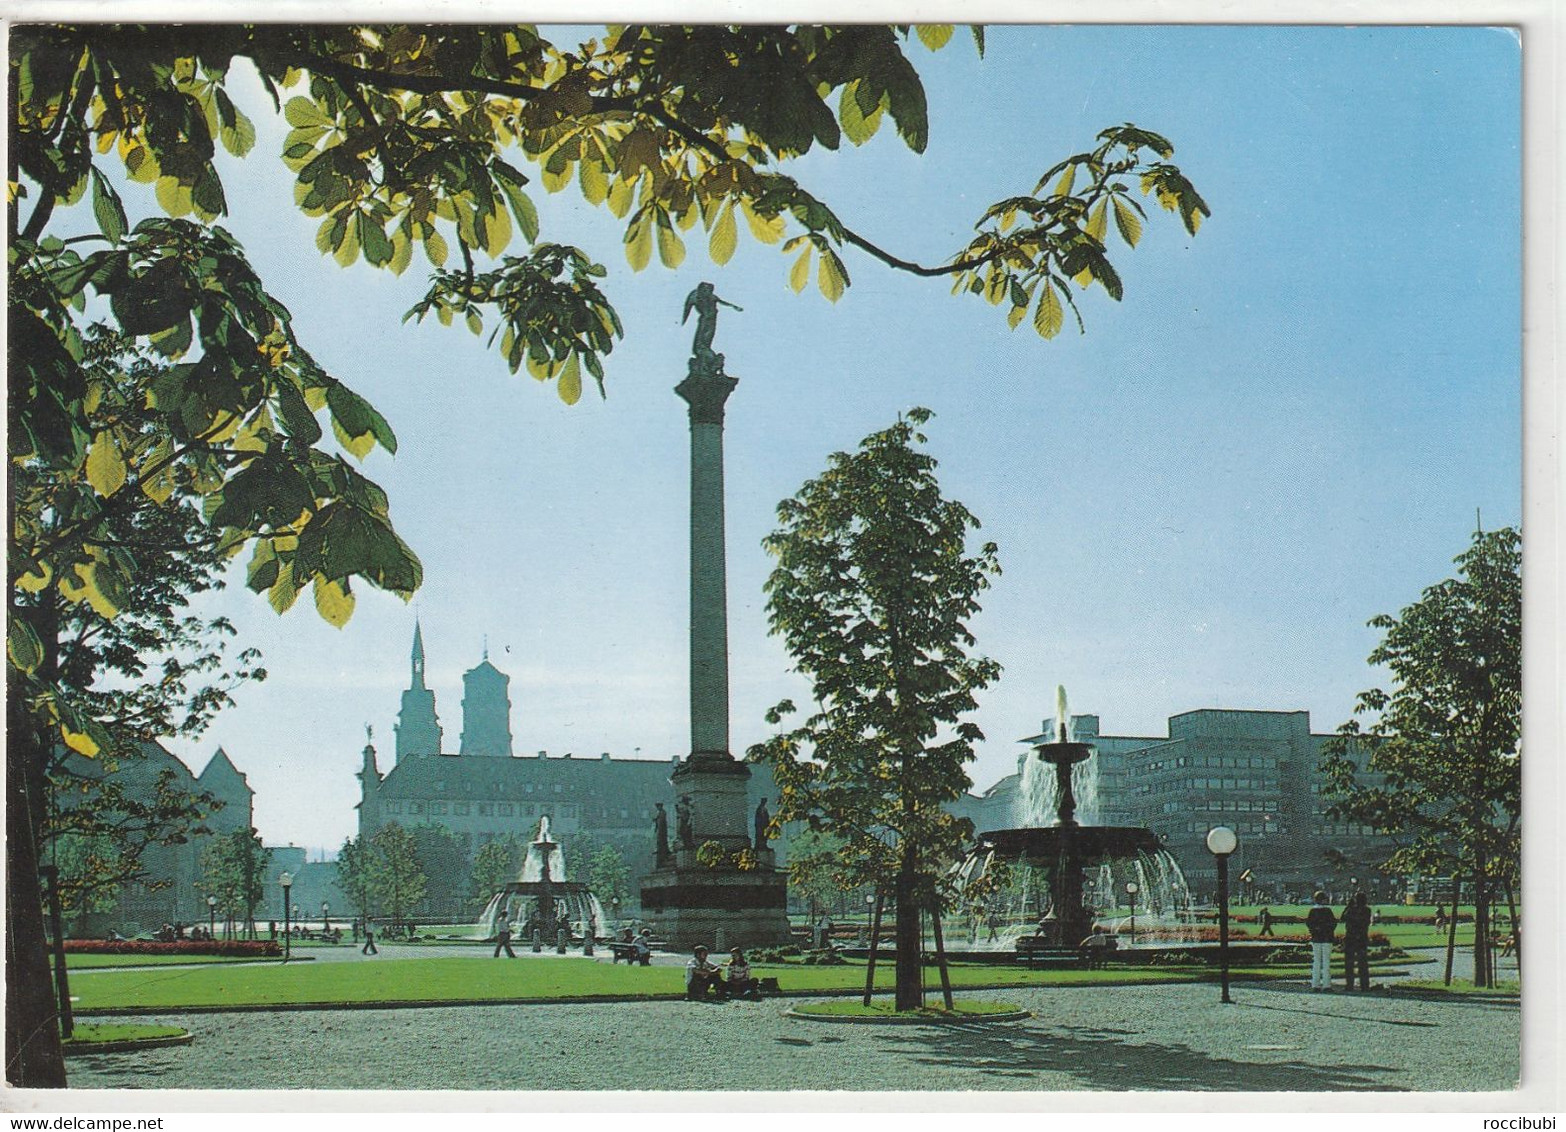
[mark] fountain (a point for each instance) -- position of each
(542, 899)
(1053, 881)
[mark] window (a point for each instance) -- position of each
(529, 810)
(415, 807)
(486, 809)
(394, 807)
(557, 788)
(437, 807)
(440, 784)
(459, 807)
(505, 809)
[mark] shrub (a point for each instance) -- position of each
(242, 948)
(824, 957)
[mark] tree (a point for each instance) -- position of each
(403, 137)
(353, 874)
(396, 881)
(1438, 769)
(495, 865)
(443, 860)
(871, 594)
(233, 868)
(609, 876)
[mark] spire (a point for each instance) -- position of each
(370, 772)
(418, 655)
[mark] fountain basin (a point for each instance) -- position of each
(1084, 843)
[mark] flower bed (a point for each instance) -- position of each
(237, 948)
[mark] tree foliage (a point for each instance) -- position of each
(872, 592)
(396, 881)
(353, 875)
(495, 865)
(442, 858)
(609, 876)
(234, 869)
(1439, 767)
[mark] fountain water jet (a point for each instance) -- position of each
(542, 898)
(1053, 881)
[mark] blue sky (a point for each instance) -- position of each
(1284, 429)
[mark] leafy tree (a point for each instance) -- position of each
(233, 868)
(353, 875)
(443, 860)
(396, 881)
(403, 137)
(817, 867)
(494, 866)
(609, 876)
(872, 591)
(1438, 770)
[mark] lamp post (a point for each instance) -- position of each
(326, 917)
(1131, 891)
(1221, 841)
(287, 881)
(211, 917)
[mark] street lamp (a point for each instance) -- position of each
(1131, 891)
(1221, 841)
(326, 917)
(211, 916)
(287, 881)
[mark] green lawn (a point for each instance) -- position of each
(462, 980)
(1509, 988)
(79, 962)
(98, 1033)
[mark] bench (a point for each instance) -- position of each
(627, 951)
(1044, 956)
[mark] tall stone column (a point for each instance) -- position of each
(714, 879)
(706, 392)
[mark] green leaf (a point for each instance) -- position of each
(1098, 221)
(1068, 180)
(934, 36)
(105, 464)
(107, 209)
(1048, 316)
(724, 237)
(830, 276)
(1128, 222)
(638, 242)
(522, 207)
(304, 112)
(22, 645)
(595, 186)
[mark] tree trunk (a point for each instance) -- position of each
(875, 935)
(940, 955)
(1481, 923)
(33, 1058)
(1511, 908)
(910, 985)
(1451, 928)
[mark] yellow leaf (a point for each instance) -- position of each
(33, 582)
(671, 249)
(799, 274)
(1068, 179)
(620, 194)
(434, 247)
(333, 601)
(570, 384)
(1128, 222)
(497, 227)
(595, 186)
(105, 465)
(173, 197)
(79, 741)
(638, 243)
(1098, 221)
(1048, 316)
(724, 237)
(934, 36)
(767, 229)
(359, 446)
(829, 278)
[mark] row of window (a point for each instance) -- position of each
(494, 787)
(1227, 762)
(1256, 828)
(485, 809)
(1343, 829)
(1226, 807)
(1182, 785)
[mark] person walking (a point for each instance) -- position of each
(1265, 917)
(1321, 924)
(1356, 942)
(503, 940)
(369, 947)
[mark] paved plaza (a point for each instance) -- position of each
(1275, 1037)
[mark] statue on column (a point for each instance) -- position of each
(704, 301)
(682, 820)
(660, 833)
(763, 820)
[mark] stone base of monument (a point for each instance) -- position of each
(691, 904)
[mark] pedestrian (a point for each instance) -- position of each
(503, 940)
(1356, 942)
(1440, 916)
(1265, 917)
(1321, 924)
(369, 947)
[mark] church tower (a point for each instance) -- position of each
(418, 729)
(486, 711)
(369, 776)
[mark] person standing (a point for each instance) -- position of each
(1265, 917)
(1356, 942)
(1321, 924)
(503, 940)
(369, 947)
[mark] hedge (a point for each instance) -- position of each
(239, 948)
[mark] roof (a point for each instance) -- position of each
(220, 768)
(417, 776)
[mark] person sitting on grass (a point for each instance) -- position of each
(703, 977)
(739, 978)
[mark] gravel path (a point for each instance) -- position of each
(1275, 1037)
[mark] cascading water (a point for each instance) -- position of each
(543, 898)
(1012, 883)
